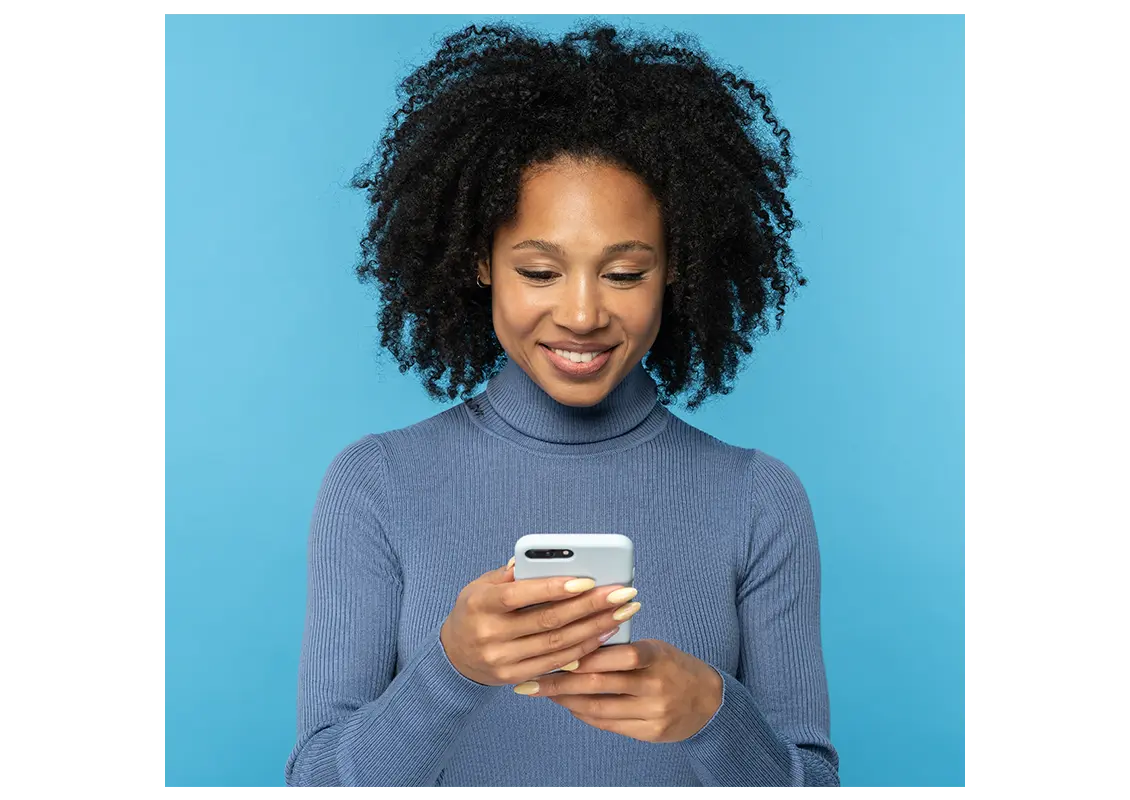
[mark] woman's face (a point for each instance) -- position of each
(583, 262)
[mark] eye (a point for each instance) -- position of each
(536, 276)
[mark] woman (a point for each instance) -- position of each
(535, 204)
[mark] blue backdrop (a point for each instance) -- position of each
(272, 364)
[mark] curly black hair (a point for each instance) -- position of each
(495, 100)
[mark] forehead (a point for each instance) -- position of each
(585, 201)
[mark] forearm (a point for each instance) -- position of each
(402, 738)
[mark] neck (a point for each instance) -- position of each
(518, 408)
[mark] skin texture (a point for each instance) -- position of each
(494, 637)
(647, 690)
(579, 295)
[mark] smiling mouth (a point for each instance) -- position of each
(577, 357)
(577, 364)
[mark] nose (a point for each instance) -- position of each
(579, 307)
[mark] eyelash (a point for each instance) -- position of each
(621, 277)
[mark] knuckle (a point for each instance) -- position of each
(490, 657)
(488, 630)
(634, 658)
(508, 597)
(554, 639)
(548, 618)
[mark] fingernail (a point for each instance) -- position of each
(572, 665)
(580, 585)
(622, 595)
(622, 614)
(510, 563)
(529, 687)
(605, 637)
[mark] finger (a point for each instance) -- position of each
(591, 631)
(504, 574)
(517, 595)
(562, 684)
(604, 706)
(618, 657)
(562, 659)
(549, 616)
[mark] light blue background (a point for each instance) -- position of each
(272, 361)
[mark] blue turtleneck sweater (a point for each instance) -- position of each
(727, 569)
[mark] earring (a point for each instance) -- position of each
(479, 282)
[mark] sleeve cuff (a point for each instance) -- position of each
(737, 746)
(440, 680)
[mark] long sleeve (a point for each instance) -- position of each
(773, 725)
(360, 723)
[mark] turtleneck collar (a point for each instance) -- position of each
(517, 408)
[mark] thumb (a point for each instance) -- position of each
(504, 574)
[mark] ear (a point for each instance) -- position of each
(484, 273)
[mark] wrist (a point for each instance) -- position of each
(712, 697)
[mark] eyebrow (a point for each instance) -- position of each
(632, 245)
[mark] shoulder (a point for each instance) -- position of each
(766, 475)
(369, 458)
(770, 481)
(775, 480)
(704, 445)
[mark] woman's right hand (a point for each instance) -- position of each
(492, 639)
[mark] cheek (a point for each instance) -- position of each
(517, 315)
(643, 318)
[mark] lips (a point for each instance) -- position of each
(575, 348)
(578, 369)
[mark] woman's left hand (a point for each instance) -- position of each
(648, 690)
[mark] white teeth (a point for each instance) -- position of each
(576, 358)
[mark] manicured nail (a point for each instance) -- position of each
(606, 636)
(510, 563)
(580, 585)
(622, 614)
(622, 595)
(529, 687)
(572, 665)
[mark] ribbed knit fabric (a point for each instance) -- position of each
(727, 569)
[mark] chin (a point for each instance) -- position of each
(578, 395)
(575, 403)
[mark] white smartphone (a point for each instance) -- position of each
(607, 558)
